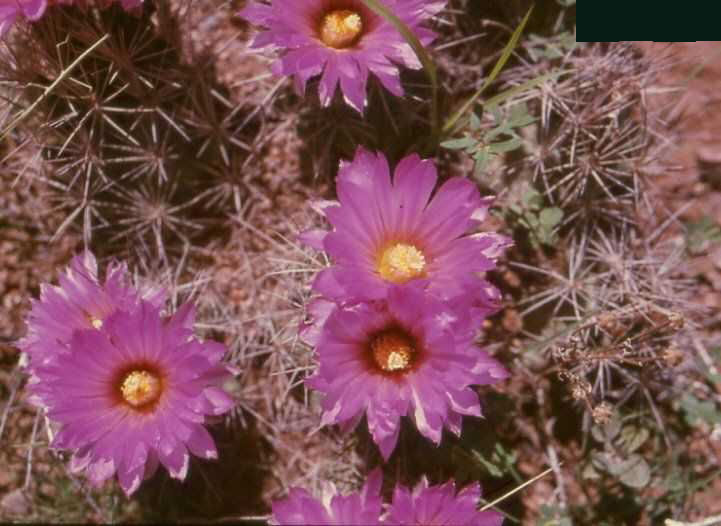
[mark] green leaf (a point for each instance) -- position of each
(551, 217)
(532, 199)
(481, 159)
(505, 457)
(608, 432)
(633, 437)
(519, 115)
(713, 377)
(492, 134)
(521, 121)
(612, 427)
(475, 122)
(481, 155)
(459, 144)
(492, 469)
(552, 47)
(496, 112)
(699, 410)
(451, 122)
(506, 146)
(634, 472)
(552, 516)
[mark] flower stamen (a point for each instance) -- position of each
(340, 28)
(140, 388)
(401, 263)
(392, 351)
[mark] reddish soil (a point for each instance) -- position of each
(690, 172)
(690, 178)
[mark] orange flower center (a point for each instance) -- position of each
(401, 262)
(140, 388)
(392, 351)
(340, 28)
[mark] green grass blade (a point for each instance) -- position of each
(380, 9)
(450, 124)
(528, 85)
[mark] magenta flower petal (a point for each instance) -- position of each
(388, 231)
(10, 10)
(313, 238)
(8, 16)
(439, 506)
(299, 508)
(134, 393)
(132, 470)
(131, 4)
(33, 9)
(318, 311)
(343, 40)
(425, 505)
(80, 301)
(201, 444)
(362, 508)
(408, 355)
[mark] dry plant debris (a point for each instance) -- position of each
(173, 146)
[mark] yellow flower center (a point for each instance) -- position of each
(401, 262)
(392, 351)
(140, 388)
(340, 28)
(96, 323)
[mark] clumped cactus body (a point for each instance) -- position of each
(140, 139)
